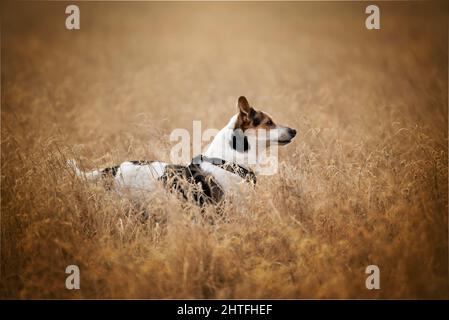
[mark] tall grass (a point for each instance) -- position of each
(364, 182)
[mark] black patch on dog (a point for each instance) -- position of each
(141, 162)
(111, 171)
(192, 183)
(256, 119)
(239, 142)
(246, 174)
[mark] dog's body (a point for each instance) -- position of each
(223, 169)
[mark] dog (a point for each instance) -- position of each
(221, 170)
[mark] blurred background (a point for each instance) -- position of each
(166, 64)
(367, 173)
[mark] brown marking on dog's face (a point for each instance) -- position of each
(249, 118)
(259, 125)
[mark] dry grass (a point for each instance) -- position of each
(365, 182)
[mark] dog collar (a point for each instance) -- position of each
(245, 173)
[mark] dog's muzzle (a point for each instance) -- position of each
(291, 133)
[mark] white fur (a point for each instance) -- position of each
(129, 177)
(140, 177)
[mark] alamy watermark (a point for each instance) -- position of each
(72, 282)
(373, 280)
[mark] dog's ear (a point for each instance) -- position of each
(244, 108)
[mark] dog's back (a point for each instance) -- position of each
(190, 181)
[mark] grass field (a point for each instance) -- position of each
(364, 182)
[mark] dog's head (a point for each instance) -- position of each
(254, 125)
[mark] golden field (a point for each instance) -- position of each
(364, 182)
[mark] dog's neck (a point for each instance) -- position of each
(222, 147)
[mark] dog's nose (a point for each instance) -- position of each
(292, 132)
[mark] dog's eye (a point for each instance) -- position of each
(269, 123)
